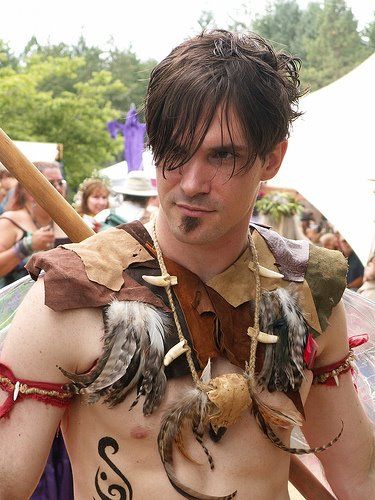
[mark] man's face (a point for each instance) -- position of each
(56, 179)
(201, 202)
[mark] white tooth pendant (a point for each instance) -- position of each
(264, 338)
(175, 351)
(164, 280)
(266, 273)
(16, 390)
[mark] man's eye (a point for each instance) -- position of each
(224, 156)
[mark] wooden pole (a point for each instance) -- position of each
(42, 191)
(306, 483)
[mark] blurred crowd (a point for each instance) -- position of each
(322, 233)
(25, 228)
(292, 216)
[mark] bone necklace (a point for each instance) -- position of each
(219, 388)
(219, 402)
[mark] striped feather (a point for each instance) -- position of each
(133, 353)
(193, 407)
(280, 315)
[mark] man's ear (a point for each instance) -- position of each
(274, 160)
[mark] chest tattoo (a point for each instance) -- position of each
(124, 488)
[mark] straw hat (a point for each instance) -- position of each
(137, 183)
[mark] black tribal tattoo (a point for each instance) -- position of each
(124, 489)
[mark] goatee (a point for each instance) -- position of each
(188, 224)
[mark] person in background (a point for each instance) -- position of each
(329, 240)
(25, 228)
(92, 198)
(367, 290)
(139, 199)
(306, 218)
(355, 267)
(7, 185)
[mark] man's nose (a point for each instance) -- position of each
(195, 178)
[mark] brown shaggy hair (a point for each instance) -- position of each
(239, 72)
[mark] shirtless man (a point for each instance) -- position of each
(218, 111)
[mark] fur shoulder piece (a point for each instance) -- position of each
(326, 277)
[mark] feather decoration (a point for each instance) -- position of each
(193, 407)
(275, 415)
(261, 416)
(133, 350)
(280, 315)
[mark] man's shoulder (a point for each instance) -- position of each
(48, 339)
(323, 271)
(90, 273)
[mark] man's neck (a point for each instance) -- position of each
(207, 260)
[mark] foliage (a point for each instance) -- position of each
(280, 24)
(66, 93)
(278, 204)
(369, 35)
(324, 35)
(338, 46)
(6, 56)
(44, 101)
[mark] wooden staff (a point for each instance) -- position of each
(306, 483)
(42, 191)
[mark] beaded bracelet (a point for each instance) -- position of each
(23, 248)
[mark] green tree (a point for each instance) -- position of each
(34, 107)
(338, 47)
(280, 24)
(7, 58)
(325, 36)
(369, 35)
(125, 66)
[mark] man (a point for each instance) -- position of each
(196, 286)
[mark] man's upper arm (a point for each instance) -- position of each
(38, 342)
(347, 463)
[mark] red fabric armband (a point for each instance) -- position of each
(19, 389)
(328, 375)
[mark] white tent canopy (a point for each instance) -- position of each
(117, 172)
(330, 158)
(39, 151)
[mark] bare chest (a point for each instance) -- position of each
(128, 440)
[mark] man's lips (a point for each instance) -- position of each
(193, 211)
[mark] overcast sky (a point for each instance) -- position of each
(152, 27)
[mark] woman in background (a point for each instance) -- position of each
(25, 228)
(92, 198)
